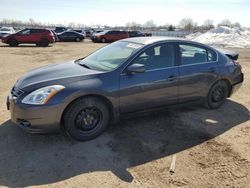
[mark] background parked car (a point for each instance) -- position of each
(70, 36)
(89, 32)
(55, 35)
(80, 31)
(40, 37)
(60, 29)
(6, 31)
(147, 34)
(135, 34)
(109, 36)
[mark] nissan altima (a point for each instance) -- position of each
(83, 96)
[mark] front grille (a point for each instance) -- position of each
(16, 92)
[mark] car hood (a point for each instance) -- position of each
(63, 74)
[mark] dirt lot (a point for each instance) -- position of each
(212, 147)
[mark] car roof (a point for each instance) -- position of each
(151, 40)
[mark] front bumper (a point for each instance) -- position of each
(35, 119)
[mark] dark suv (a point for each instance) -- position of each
(135, 34)
(109, 36)
(40, 37)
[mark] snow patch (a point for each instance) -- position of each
(223, 37)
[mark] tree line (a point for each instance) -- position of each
(185, 24)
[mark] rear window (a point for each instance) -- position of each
(211, 55)
(191, 54)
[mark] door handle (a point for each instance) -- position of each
(211, 70)
(171, 78)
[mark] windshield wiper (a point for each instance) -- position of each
(79, 59)
(84, 65)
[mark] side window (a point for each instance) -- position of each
(71, 34)
(192, 54)
(25, 32)
(211, 56)
(157, 57)
(35, 31)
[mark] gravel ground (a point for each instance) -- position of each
(211, 147)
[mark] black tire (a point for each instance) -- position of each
(217, 95)
(86, 118)
(13, 43)
(44, 43)
(78, 39)
(103, 40)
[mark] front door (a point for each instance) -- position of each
(24, 36)
(157, 86)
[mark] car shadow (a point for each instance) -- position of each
(24, 46)
(27, 160)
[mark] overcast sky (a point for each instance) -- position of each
(119, 12)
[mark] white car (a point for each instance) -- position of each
(6, 31)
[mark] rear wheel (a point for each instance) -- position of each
(44, 43)
(86, 118)
(77, 39)
(13, 43)
(217, 95)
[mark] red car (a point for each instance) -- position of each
(40, 37)
(109, 36)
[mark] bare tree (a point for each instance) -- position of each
(149, 24)
(208, 24)
(236, 24)
(187, 24)
(133, 25)
(225, 22)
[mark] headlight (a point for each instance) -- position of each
(43, 95)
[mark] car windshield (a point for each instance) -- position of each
(110, 57)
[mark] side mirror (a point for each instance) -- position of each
(136, 68)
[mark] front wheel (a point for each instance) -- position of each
(86, 118)
(103, 40)
(217, 95)
(13, 43)
(44, 43)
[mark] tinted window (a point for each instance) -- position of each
(211, 56)
(25, 32)
(68, 34)
(111, 32)
(35, 31)
(122, 32)
(160, 56)
(192, 54)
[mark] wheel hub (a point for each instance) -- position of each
(218, 94)
(88, 119)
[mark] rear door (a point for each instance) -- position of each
(66, 36)
(198, 69)
(122, 35)
(110, 36)
(155, 87)
(35, 35)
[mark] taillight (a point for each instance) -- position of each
(51, 34)
(237, 63)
